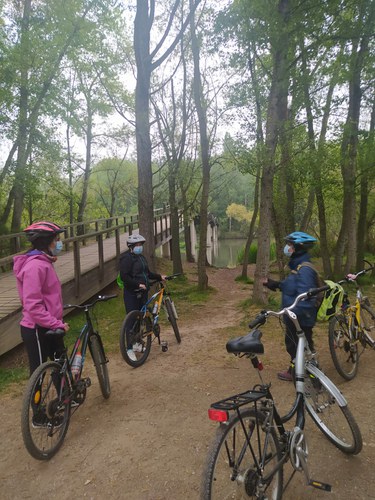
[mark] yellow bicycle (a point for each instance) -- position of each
(140, 328)
(352, 329)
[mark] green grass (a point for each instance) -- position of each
(9, 376)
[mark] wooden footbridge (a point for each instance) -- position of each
(88, 264)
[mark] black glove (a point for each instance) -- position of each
(272, 284)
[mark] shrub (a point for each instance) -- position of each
(253, 253)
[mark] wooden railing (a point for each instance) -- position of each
(82, 233)
(17, 242)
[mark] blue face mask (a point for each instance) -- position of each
(138, 249)
(58, 248)
(288, 250)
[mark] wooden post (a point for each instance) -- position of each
(101, 257)
(77, 268)
(117, 236)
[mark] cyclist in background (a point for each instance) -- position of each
(40, 293)
(135, 274)
(302, 277)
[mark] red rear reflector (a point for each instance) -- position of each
(260, 366)
(218, 415)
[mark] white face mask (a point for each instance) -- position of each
(288, 250)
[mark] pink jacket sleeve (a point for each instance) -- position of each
(33, 302)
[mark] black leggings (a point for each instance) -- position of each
(40, 347)
(291, 338)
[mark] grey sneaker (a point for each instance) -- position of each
(137, 347)
(131, 355)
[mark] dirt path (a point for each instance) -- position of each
(149, 440)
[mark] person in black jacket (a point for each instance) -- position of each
(301, 278)
(135, 274)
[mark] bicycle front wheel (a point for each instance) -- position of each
(172, 318)
(45, 411)
(237, 470)
(135, 338)
(100, 362)
(343, 347)
(324, 403)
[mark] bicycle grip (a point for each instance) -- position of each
(259, 320)
(315, 291)
(107, 297)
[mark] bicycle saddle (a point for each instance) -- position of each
(59, 332)
(248, 344)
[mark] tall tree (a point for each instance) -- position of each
(147, 60)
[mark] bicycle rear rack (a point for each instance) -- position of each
(235, 402)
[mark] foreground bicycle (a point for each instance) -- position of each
(252, 445)
(351, 329)
(139, 326)
(57, 387)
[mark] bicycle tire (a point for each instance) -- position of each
(368, 322)
(221, 481)
(172, 319)
(138, 331)
(100, 362)
(343, 347)
(44, 417)
(333, 418)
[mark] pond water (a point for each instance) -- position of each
(224, 252)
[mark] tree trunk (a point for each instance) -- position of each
(205, 156)
(142, 27)
(20, 170)
(276, 116)
(348, 231)
(364, 194)
(86, 176)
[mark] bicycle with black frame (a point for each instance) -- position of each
(57, 388)
(252, 445)
(352, 329)
(141, 328)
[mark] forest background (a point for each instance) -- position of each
(259, 111)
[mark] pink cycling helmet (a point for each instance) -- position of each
(42, 229)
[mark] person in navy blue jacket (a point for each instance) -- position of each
(300, 279)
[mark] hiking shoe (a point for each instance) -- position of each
(285, 375)
(137, 347)
(131, 355)
(39, 421)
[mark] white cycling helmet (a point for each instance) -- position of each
(133, 239)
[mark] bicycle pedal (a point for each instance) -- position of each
(164, 346)
(320, 486)
(87, 381)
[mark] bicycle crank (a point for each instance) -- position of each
(298, 457)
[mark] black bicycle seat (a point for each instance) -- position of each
(59, 332)
(248, 344)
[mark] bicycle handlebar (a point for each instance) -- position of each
(353, 277)
(99, 298)
(261, 318)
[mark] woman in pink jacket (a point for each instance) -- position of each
(39, 289)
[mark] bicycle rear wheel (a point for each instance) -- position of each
(234, 470)
(45, 411)
(343, 348)
(368, 322)
(172, 318)
(100, 361)
(322, 399)
(135, 338)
